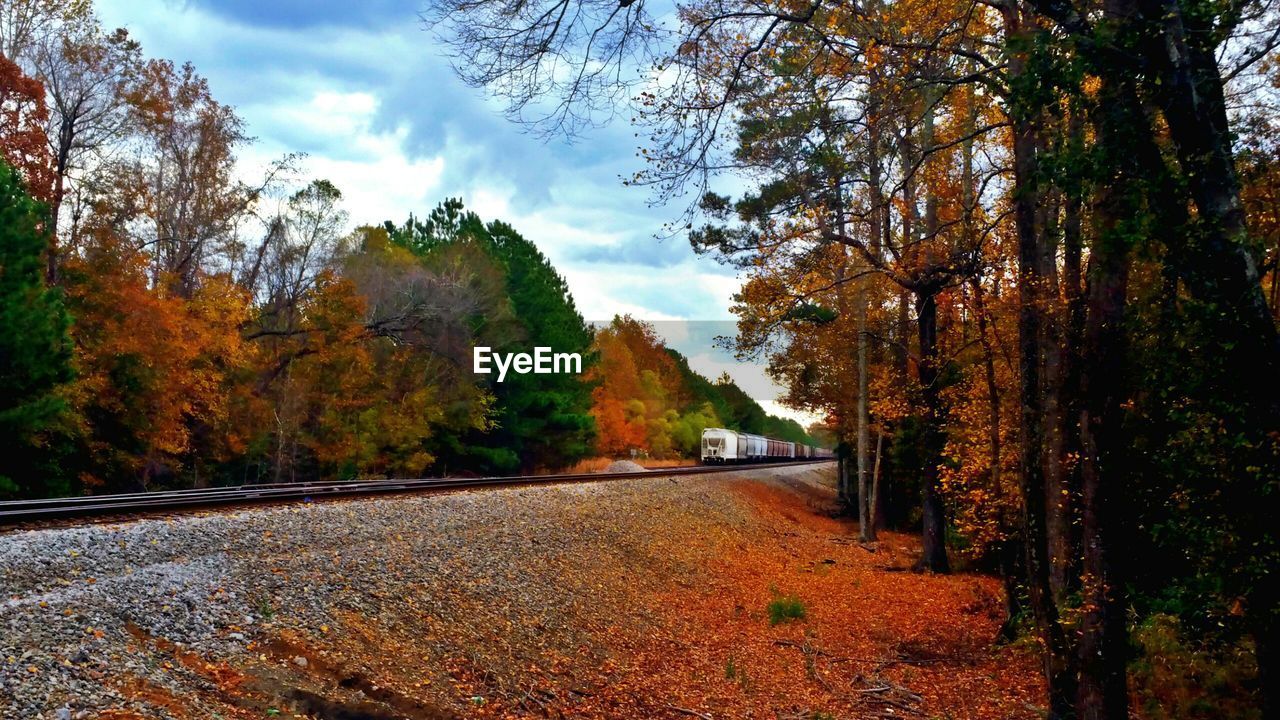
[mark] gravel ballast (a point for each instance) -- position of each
(503, 576)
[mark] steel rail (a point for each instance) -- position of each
(94, 506)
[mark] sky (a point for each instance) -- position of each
(364, 90)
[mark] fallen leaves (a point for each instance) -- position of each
(650, 603)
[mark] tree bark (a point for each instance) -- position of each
(1058, 502)
(1217, 266)
(993, 388)
(1121, 126)
(1057, 659)
(1072, 284)
(866, 529)
(877, 509)
(1103, 635)
(933, 556)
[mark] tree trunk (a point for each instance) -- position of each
(993, 388)
(934, 552)
(842, 495)
(1069, 390)
(51, 253)
(1217, 265)
(1012, 571)
(1121, 126)
(1057, 658)
(933, 557)
(1103, 635)
(877, 501)
(866, 529)
(1059, 510)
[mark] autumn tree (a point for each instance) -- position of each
(23, 143)
(188, 195)
(1117, 166)
(154, 366)
(26, 24)
(87, 74)
(618, 407)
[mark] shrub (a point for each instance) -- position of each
(785, 609)
(1176, 677)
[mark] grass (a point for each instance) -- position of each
(733, 671)
(266, 610)
(786, 608)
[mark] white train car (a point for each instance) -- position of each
(723, 446)
(720, 445)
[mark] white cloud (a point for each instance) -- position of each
(377, 178)
(381, 117)
(776, 408)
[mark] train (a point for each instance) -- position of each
(721, 446)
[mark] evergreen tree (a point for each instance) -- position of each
(35, 351)
(544, 419)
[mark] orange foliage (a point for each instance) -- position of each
(23, 142)
(984, 492)
(356, 404)
(638, 383)
(153, 367)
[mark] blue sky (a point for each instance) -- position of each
(363, 89)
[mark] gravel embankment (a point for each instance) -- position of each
(83, 607)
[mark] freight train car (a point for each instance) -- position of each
(720, 445)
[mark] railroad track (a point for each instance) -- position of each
(20, 512)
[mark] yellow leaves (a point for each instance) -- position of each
(1091, 85)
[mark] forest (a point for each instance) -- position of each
(1023, 255)
(1024, 250)
(165, 324)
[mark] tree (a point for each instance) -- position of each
(23, 143)
(544, 419)
(155, 367)
(187, 195)
(87, 75)
(1119, 149)
(626, 405)
(84, 72)
(35, 351)
(25, 24)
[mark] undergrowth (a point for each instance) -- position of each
(785, 608)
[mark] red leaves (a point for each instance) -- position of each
(23, 142)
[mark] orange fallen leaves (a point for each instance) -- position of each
(677, 629)
(869, 627)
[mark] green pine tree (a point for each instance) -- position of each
(35, 350)
(547, 417)
(544, 421)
